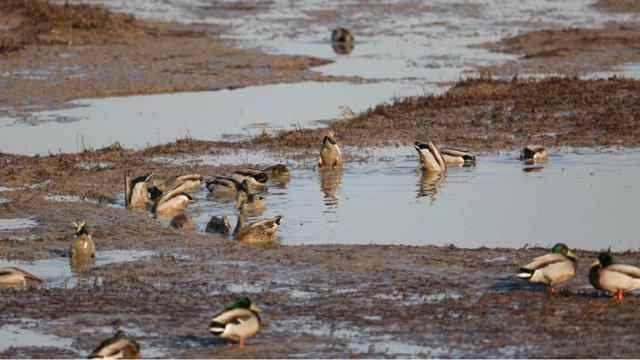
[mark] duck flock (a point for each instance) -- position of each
(169, 198)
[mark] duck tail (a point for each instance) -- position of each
(525, 273)
(217, 328)
(261, 178)
(467, 157)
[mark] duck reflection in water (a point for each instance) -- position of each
(330, 182)
(429, 183)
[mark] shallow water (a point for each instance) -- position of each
(585, 198)
(59, 272)
(17, 336)
(16, 224)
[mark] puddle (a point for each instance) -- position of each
(17, 336)
(578, 197)
(126, 119)
(58, 272)
(17, 224)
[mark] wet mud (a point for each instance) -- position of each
(572, 51)
(51, 54)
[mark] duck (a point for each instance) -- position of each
(218, 225)
(257, 232)
(430, 157)
(533, 153)
(330, 155)
(606, 275)
(182, 221)
(342, 35)
(190, 183)
(136, 193)
(456, 156)
(277, 171)
(553, 268)
(82, 245)
(237, 322)
(253, 204)
(117, 347)
(174, 201)
(226, 187)
(255, 179)
(16, 276)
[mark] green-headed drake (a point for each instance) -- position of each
(430, 157)
(117, 347)
(237, 322)
(608, 276)
(556, 267)
(330, 155)
(16, 276)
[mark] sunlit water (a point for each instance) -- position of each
(584, 198)
(420, 48)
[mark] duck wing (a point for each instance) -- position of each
(628, 270)
(544, 260)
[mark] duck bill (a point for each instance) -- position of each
(571, 254)
(597, 262)
(254, 308)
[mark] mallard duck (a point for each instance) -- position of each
(218, 225)
(456, 156)
(238, 322)
(15, 276)
(255, 179)
(174, 201)
(82, 245)
(330, 155)
(117, 347)
(430, 157)
(534, 153)
(182, 221)
(191, 183)
(136, 193)
(253, 204)
(226, 187)
(342, 35)
(257, 232)
(608, 276)
(553, 268)
(278, 171)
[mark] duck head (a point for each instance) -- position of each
(341, 35)
(430, 157)
(243, 302)
(605, 258)
(561, 248)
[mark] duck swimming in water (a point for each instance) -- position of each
(16, 276)
(237, 322)
(258, 232)
(182, 221)
(172, 202)
(456, 156)
(226, 187)
(219, 225)
(190, 183)
(430, 157)
(252, 204)
(82, 245)
(534, 153)
(330, 155)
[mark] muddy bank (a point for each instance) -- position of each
(621, 6)
(570, 51)
(51, 54)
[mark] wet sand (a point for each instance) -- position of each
(51, 54)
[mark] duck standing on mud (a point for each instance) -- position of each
(82, 246)
(608, 276)
(553, 268)
(330, 155)
(237, 322)
(117, 347)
